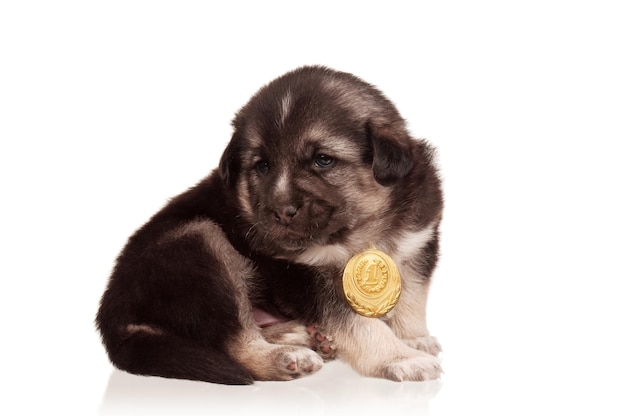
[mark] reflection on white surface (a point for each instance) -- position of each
(334, 389)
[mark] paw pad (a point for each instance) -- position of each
(321, 343)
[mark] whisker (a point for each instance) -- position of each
(250, 230)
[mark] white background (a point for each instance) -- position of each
(107, 109)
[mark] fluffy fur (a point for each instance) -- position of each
(320, 166)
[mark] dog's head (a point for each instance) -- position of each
(314, 154)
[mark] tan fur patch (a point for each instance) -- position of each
(328, 142)
(285, 107)
(359, 101)
(244, 199)
(146, 329)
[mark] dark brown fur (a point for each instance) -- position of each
(272, 229)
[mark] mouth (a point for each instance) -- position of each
(292, 242)
(278, 239)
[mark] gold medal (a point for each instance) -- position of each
(371, 283)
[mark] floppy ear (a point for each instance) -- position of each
(392, 158)
(229, 163)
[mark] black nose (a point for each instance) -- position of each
(284, 215)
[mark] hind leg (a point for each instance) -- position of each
(294, 333)
(278, 351)
(244, 341)
(292, 358)
(287, 333)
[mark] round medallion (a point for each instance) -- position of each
(371, 283)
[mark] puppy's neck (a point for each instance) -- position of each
(327, 255)
(401, 247)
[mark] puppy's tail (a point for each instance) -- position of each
(166, 355)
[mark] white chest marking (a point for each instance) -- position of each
(285, 108)
(324, 255)
(404, 248)
(282, 184)
(411, 242)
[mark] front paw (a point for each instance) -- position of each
(419, 367)
(427, 344)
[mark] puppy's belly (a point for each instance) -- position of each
(264, 319)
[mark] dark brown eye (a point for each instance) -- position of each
(324, 161)
(262, 167)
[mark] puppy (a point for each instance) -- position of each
(320, 168)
